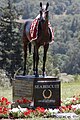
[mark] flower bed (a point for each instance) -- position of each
(68, 105)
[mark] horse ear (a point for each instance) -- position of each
(47, 5)
(41, 4)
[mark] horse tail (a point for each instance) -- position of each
(30, 48)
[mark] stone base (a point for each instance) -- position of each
(43, 91)
(23, 87)
(47, 92)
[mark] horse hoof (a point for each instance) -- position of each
(23, 74)
(44, 74)
(36, 75)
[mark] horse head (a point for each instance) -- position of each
(44, 12)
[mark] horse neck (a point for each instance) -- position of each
(45, 26)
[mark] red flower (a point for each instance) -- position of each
(77, 98)
(20, 101)
(40, 109)
(73, 101)
(74, 109)
(1, 110)
(4, 99)
(62, 108)
(27, 113)
(69, 107)
(23, 101)
(26, 100)
(5, 110)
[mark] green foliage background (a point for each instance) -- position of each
(63, 54)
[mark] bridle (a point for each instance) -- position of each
(44, 13)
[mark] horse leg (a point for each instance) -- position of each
(25, 56)
(36, 61)
(44, 57)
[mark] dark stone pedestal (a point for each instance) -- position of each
(47, 92)
(23, 87)
(43, 91)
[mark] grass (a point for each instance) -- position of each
(6, 92)
(70, 89)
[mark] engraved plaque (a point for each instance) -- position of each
(22, 87)
(47, 93)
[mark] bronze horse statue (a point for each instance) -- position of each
(44, 37)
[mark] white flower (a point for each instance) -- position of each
(56, 110)
(22, 109)
(53, 110)
(15, 110)
(50, 110)
(77, 106)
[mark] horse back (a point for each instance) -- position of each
(27, 25)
